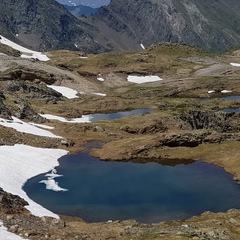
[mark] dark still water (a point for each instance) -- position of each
(111, 116)
(150, 192)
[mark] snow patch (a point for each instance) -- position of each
(5, 235)
(226, 91)
(26, 53)
(100, 94)
(235, 64)
(142, 46)
(100, 79)
(211, 91)
(143, 79)
(24, 127)
(83, 119)
(41, 125)
(20, 163)
(65, 91)
(51, 184)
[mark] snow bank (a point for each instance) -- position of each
(143, 79)
(26, 53)
(100, 94)
(235, 64)
(20, 163)
(223, 91)
(211, 91)
(65, 91)
(41, 125)
(5, 235)
(21, 126)
(101, 79)
(83, 119)
(226, 91)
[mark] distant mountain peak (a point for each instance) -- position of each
(194, 22)
(44, 25)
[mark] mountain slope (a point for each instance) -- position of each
(44, 25)
(89, 3)
(213, 25)
(81, 10)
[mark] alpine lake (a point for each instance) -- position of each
(97, 191)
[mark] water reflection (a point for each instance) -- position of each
(150, 192)
(111, 116)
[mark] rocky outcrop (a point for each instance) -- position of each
(4, 111)
(152, 129)
(198, 119)
(9, 51)
(26, 112)
(20, 109)
(24, 74)
(10, 203)
(34, 90)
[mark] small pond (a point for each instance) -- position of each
(149, 192)
(231, 98)
(231, 110)
(224, 98)
(112, 116)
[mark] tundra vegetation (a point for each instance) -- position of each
(187, 121)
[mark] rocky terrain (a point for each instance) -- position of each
(190, 22)
(44, 26)
(79, 10)
(186, 123)
(122, 25)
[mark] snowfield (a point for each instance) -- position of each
(20, 163)
(24, 127)
(100, 94)
(235, 64)
(26, 53)
(143, 79)
(83, 119)
(65, 91)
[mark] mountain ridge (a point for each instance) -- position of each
(196, 23)
(126, 25)
(44, 25)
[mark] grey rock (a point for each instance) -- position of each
(233, 221)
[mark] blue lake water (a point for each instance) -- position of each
(225, 98)
(149, 192)
(231, 98)
(111, 116)
(231, 110)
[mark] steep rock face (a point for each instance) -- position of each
(193, 22)
(44, 25)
